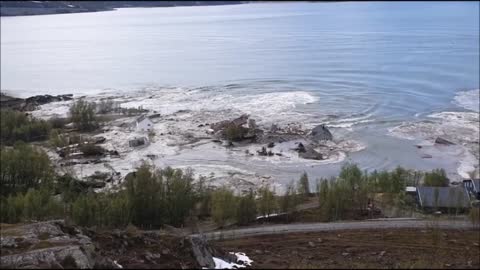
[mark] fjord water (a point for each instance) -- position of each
(350, 64)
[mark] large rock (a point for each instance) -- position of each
(49, 244)
(202, 252)
(321, 133)
(443, 141)
(240, 121)
(310, 153)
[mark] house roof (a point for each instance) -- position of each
(447, 197)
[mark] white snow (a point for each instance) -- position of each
(271, 215)
(117, 264)
(221, 264)
(241, 258)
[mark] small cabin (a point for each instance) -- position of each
(143, 123)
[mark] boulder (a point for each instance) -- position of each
(443, 141)
(240, 121)
(300, 148)
(202, 252)
(310, 153)
(49, 244)
(263, 151)
(321, 133)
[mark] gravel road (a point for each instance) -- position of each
(332, 226)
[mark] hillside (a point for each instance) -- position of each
(19, 8)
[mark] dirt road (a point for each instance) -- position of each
(332, 226)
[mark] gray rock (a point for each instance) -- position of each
(50, 256)
(300, 148)
(202, 253)
(310, 153)
(321, 133)
(443, 141)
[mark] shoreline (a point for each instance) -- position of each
(57, 8)
(182, 140)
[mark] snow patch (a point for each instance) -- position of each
(117, 264)
(242, 259)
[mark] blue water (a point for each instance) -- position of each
(383, 61)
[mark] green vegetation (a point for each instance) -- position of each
(247, 209)
(267, 203)
(223, 206)
(353, 189)
(304, 186)
(289, 201)
(82, 114)
(23, 167)
(234, 132)
(436, 178)
(17, 126)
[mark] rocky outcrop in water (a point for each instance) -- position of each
(308, 152)
(443, 141)
(321, 133)
(235, 130)
(31, 103)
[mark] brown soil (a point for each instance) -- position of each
(399, 248)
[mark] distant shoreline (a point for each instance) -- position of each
(33, 8)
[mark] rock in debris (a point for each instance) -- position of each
(321, 133)
(442, 141)
(310, 153)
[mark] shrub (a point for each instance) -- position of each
(105, 106)
(247, 209)
(436, 178)
(23, 167)
(223, 206)
(82, 114)
(267, 203)
(17, 126)
(304, 186)
(57, 122)
(234, 132)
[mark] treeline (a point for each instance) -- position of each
(151, 197)
(17, 126)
